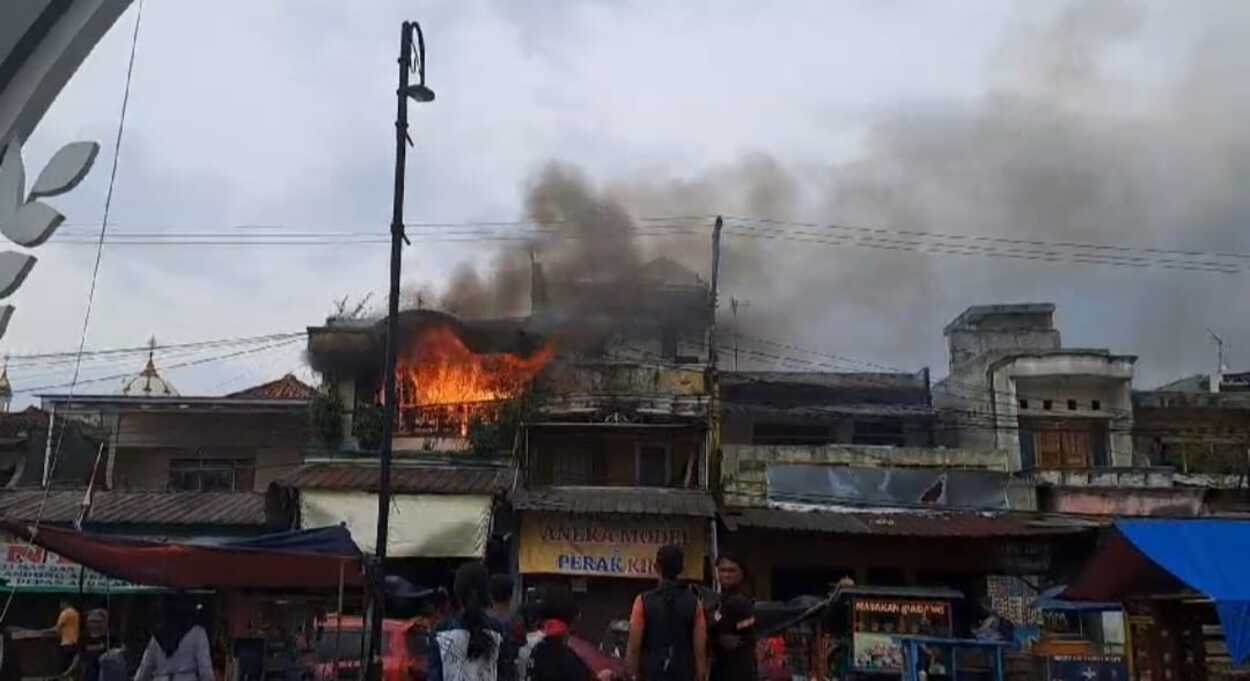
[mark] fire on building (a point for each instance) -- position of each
(449, 374)
(442, 385)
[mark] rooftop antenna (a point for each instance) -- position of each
(1218, 377)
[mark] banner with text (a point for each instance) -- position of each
(606, 546)
(31, 569)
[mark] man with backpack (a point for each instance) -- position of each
(667, 629)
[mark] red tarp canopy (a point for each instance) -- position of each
(307, 559)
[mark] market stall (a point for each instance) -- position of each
(1080, 640)
(1185, 591)
(792, 639)
(259, 598)
(874, 617)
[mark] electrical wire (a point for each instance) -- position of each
(1072, 245)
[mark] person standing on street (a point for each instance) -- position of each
(470, 645)
(732, 623)
(667, 628)
(501, 592)
(179, 649)
(551, 658)
(86, 665)
(67, 630)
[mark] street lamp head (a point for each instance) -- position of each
(420, 93)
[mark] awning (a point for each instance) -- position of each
(907, 487)
(1050, 599)
(421, 526)
(1145, 556)
(309, 559)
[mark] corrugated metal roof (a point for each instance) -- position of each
(899, 524)
(405, 479)
(137, 508)
(631, 500)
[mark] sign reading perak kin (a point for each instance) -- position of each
(553, 543)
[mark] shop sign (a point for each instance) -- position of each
(926, 608)
(1088, 668)
(877, 652)
(1022, 558)
(31, 569)
(553, 543)
(878, 621)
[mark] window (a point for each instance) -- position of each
(668, 343)
(790, 434)
(878, 432)
(207, 475)
(1071, 405)
(653, 466)
(1024, 404)
(1095, 405)
(573, 467)
(1047, 404)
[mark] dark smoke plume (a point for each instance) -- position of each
(1059, 148)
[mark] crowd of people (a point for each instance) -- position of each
(177, 649)
(676, 633)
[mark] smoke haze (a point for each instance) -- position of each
(1059, 148)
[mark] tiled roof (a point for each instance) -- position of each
(135, 508)
(405, 478)
(286, 388)
(631, 500)
(30, 419)
(898, 524)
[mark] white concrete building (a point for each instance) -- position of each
(1014, 387)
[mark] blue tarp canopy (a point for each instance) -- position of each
(1209, 556)
(335, 540)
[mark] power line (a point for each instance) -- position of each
(1074, 245)
(143, 349)
(168, 367)
(95, 275)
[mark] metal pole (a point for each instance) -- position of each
(338, 622)
(712, 377)
(392, 333)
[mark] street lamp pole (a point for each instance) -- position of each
(420, 93)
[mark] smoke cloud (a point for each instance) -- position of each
(1060, 147)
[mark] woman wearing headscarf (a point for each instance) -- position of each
(731, 623)
(469, 645)
(178, 650)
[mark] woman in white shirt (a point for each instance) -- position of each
(179, 649)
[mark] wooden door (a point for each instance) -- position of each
(1049, 448)
(1075, 445)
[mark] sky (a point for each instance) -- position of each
(1118, 123)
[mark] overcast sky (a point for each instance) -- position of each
(1116, 122)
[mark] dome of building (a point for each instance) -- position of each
(149, 382)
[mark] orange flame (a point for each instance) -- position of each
(443, 385)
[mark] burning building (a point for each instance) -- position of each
(600, 403)
(450, 373)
